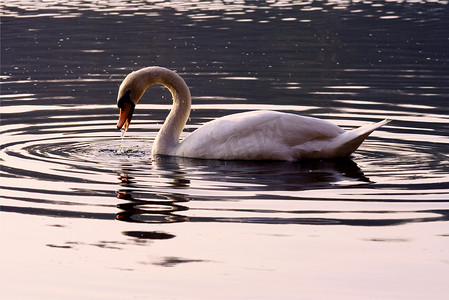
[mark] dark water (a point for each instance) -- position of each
(85, 218)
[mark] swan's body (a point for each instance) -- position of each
(255, 135)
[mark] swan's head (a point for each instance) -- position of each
(130, 92)
(136, 83)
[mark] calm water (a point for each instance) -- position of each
(82, 218)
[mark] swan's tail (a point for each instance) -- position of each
(340, 146)
(348, 142)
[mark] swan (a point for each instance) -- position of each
(254, 135)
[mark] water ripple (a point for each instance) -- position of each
(85, 162)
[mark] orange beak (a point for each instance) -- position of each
(126, 113)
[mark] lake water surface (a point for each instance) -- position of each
(86, 216)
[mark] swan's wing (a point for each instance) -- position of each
(255, 135)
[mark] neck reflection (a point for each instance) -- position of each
(143, 205)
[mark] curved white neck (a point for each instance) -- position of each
(168, 136)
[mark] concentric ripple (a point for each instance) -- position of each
(89, 171)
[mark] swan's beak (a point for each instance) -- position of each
(126, 113)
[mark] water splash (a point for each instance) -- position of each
(136, 150)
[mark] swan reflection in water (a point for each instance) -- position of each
(147, 204)
(143, 205)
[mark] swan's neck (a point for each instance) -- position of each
(168, 136)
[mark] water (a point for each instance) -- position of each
(87, 215)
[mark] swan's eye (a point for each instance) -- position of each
(125, 98)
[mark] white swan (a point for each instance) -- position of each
(255, 135)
